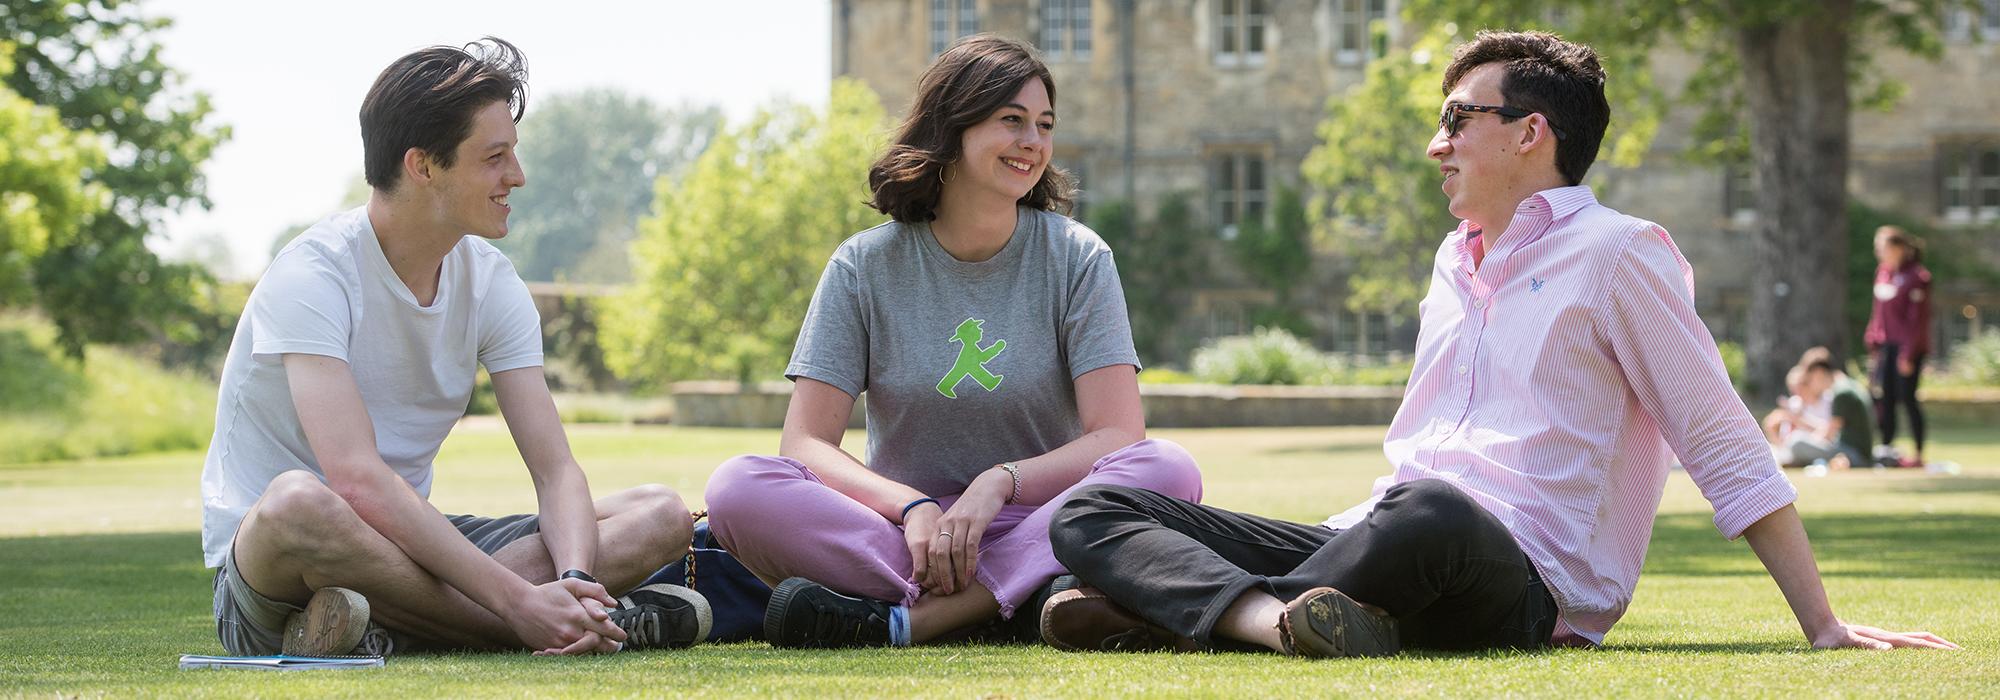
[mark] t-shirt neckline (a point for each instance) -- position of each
(1024, 219)
(380, 260)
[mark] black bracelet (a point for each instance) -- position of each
(577, 574)
(915, 503)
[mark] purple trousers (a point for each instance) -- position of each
(780, 521)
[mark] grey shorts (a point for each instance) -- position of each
(249, 623)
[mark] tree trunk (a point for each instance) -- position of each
(1795, 85)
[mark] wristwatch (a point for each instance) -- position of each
(577, 574)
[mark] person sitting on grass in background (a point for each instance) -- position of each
(1800, 421)
(990, 335)
(1560, 370)
(1790, 413)
(1827, 418)
(356, 355)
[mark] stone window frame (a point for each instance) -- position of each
(951, 19)
(1960, 22)
(1352, 19)
(1077, 163)
(1239, 25)
(1065, 30)
(1969, 182)
(1231, 173)
(1739, 194)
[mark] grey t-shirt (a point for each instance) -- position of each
(966, 365)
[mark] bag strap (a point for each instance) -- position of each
(697, 516)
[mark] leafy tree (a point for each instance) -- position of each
(1157, 265)
(592, 159)
(41, 199)
(1278, 255)
(1789, 71)
(724, 271)
(1375, 191)
(97, 64)
(358, 192)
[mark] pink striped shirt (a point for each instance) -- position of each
(1557, 385)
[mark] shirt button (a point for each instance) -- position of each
(1461, 369)
(1479, 304)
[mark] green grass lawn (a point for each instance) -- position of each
(103, 587)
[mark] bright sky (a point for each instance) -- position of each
(289, 78)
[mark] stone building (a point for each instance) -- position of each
(1219, 99)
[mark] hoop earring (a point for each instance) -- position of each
(942, 180)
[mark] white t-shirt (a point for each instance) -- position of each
(331, 292)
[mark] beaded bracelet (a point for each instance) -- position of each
(915, 503)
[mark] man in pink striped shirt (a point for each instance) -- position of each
(1560, 370)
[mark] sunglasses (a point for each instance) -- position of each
(1449, 121)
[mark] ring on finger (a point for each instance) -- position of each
(944, 534)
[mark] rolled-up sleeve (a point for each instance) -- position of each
(1671, 364)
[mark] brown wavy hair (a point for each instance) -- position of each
(968, 83)
(1913, 249)
(426, 99)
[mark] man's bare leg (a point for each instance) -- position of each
(639, 530)
(301, 537)
(1253, 618)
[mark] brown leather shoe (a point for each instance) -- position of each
(332, 624)
(1084, 619)
(1325, 623)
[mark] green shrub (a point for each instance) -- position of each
(484, 402)
(579, 408)
(1977, 360)
(1266, 356)
(1375, 374)
(111, 404)
(1162, 375)
(1733, 360)
(31, 378)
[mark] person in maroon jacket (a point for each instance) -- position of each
(1899, 333)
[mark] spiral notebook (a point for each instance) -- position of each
(280, 662)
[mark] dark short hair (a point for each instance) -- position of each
(425, 100)
(969, 81)
(1561, 80)
(1816, 359)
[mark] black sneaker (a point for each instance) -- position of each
(662, 616)
(379, 641)
(332, 624)
(806, 615)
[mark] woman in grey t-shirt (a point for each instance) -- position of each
(990, 335)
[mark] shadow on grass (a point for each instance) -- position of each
(107, 561)
(1710, 648)
(1902, 546)
(1961, 484)
(1338, 448)
(114, 603)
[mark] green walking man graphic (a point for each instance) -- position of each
(971, 359)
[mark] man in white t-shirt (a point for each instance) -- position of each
(356, 355)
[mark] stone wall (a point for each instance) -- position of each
(762, 405)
